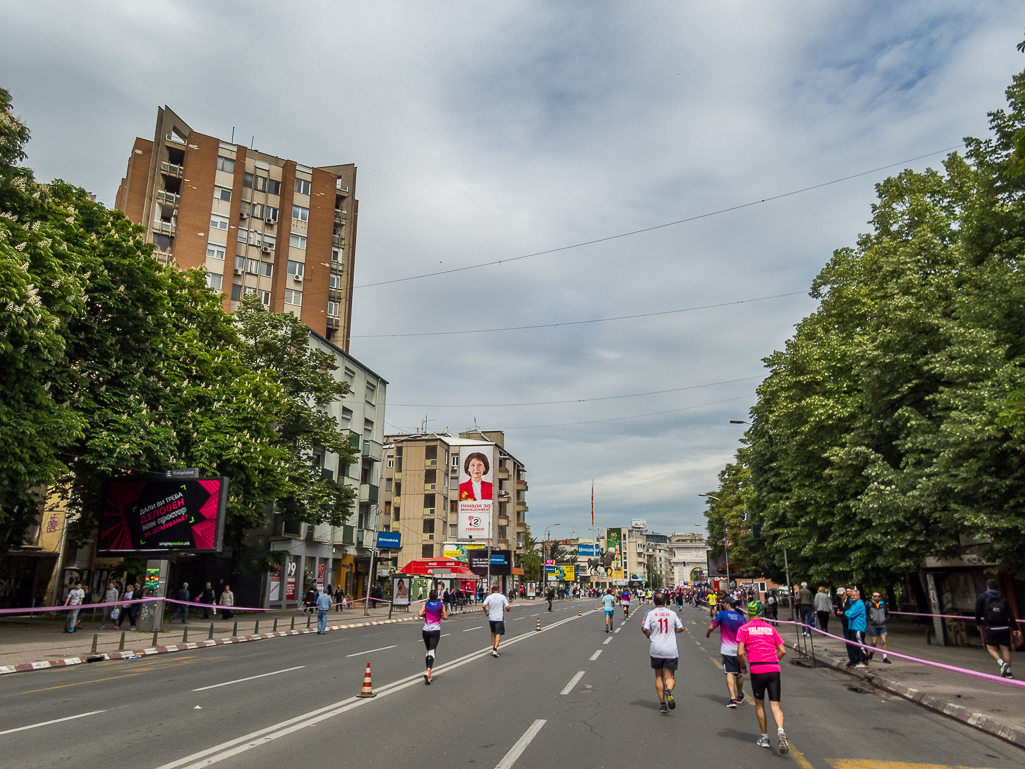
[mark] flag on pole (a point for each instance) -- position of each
(592, 504)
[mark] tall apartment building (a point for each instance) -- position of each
(259, 224)
(421, 492)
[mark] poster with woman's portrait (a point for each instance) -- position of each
(476, 493)
(401, 590)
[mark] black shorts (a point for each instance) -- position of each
(730, 664)
(497, 628)
(661, 663)
(762, 682)
(998, 637)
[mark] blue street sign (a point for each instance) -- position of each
(588, 550)
(389, 540)
(550, 570)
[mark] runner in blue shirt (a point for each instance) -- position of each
(729, 621)
(608, 601)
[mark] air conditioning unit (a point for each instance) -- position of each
(243, 215)
(430, 537)
(271, 220)
(268, 248)
(238, 271)
(297, 278)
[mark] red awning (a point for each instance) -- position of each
(431, 565)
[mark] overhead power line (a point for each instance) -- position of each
(579, 322)
(657, 226)
(632, 416)
(573, 400)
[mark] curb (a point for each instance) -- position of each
(26, 667)
(1013, 734)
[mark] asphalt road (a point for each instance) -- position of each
(570, 696)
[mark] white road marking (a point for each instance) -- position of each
(521, 744)
(607, 640)
(518, 619)
(473, 628)
(240, 680)
(617, 630)
(371, 651)
(54, 721)
(572, 682)
(445, 635)
(595, 655)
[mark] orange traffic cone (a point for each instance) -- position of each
(596, 607)
(368, 688)
(579, 612)
(538, 623)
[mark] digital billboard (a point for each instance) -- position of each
(501, 562)
(163, 515)
(476, 493)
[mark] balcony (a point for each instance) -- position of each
(503, 520)
(396, 501)
(168, 197)
(397, 475)
(503, 472)
(163, 257)
(430, 487)
(373, 450)
(365, 538)
(368, 492)
(521, 507)
(353, 439)
(521, 525)
(165, 228)
(173, 170)
(348, 535)
(521, 485)
(338, 240)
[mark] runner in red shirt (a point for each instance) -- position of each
(760, 648)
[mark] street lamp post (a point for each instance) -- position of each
(726, 540)
(544, 557)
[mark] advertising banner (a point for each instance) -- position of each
(614, 547)
(531, 590)
(501, 562)
(458, 550)
(401, 590)
(389, 540)
(476, 494)
(568, 572)
(163, 515)
(589, 551)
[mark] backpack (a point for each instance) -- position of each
(994, 613)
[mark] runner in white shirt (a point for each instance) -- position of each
(495, 606)
(661, 625)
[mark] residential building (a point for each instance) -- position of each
(259, 224)
(689, 558)
(420, 498)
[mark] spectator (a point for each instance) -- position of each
(109, 597)
(855, 614)
(823, 608)
(339, 598)
(995, 621)
(127, 609)
(183, 596)
(878, 616)
(207, 598)
(227, 601)
(806, 605)
(323, 609)
(75, 598)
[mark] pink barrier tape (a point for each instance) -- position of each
(944, 616)
(37, 609)
(930, 663)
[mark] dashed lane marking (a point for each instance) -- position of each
(572, 682)
(595, 655)
(54, 721)
(607, 640)
(521, 744)
(473, 628)
(252, 678)
(370, 651)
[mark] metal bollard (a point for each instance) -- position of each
(275, 628)
(234, 629)
(96, 639)
(256, 628)
(121, 646)
(185, 635)
(293, 624)
(155, 638)
(308, 621)
(211, 636)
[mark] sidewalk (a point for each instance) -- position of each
(38, 641)
(986, 705)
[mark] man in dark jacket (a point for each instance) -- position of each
(995, 620)
(181, 595)
(806, 605)
(207, 598)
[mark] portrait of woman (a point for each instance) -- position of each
(476, 489)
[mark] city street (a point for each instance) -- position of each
(570, 696)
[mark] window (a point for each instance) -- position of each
(428, 525)
(371, 393)
(244, 208)
(236, 292)
(391, 461)
(240, 263)
(268, 241)
(350, 375)
(261, 183)
(271, 213)
(293, 297)
(296, 268)
(333, 308)
(336, 256)
(266, 269)
(301, 213)
(243, 235)
(334, 281)
(273, 187)
(427, 551)
(302, 186)
(222, 193)
(296, 241)
(218, 222)
(346, 418)
(215, 251)
(368, 429)
(213, 280)
(387, 484)
(253, 266)
(264, 297)
(225, 164)
(247, 180)
(257, 210)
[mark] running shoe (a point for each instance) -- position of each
(741, 698)
(494, 653)
(427, 678)
(670, 700)
(732, 704)
(861, 666)
(784, 746)
(763, 742)
(886, 661)
(1001, 665)
(1007, 671)
(871, 655)
(663, 709)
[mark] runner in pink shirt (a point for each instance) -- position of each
(760, 648)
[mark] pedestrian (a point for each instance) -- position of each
(760, 649)
(549, 596)
(661, 625)
(729, 621)
(446, 599)
(771, 606)
(339, 598)
(110, 597)
(878, 614)
(806, 605)
(227, 602)
(183, 596)
(127, 609)
(433, 612)
(207, 598)
(823, 608)
(323, 604)
(995, 621)
(608, 602)
(495, 606)
(75, 598)
(855, 614)
(309, 601)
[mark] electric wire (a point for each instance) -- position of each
(632, 416)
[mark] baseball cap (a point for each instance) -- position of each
(841, 591)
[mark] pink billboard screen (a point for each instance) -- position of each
(163, 515)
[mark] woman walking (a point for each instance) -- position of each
(823, 608)
(433, 612)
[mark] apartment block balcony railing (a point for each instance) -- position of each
(368, 492)
(373, 450)
(168, 197)
(172, 169)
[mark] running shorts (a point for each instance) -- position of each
(662, 663)
(498, 628)
(876, 632)
(730, 664)
(762, 682)
(998, 637)
(608, 612)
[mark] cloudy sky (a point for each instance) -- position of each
(487, 132)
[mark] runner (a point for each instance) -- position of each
(609, 601)
(433, 613)
(713, 601)
(729, 621)
(760, 648)
(625, 600)
(661, 625)
(495, 606)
